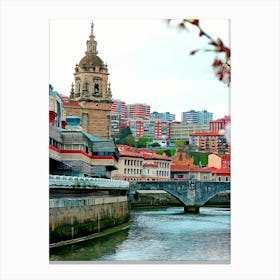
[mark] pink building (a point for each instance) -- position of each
(156, 129)
(117, 116)
(219, 161)
(138, 110)
(220, 124)
(118, 107)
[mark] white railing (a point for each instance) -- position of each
(72, 181)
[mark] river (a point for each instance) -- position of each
(165, 235)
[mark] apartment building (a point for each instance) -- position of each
(166, 116)
(182, 131)
(156, 129)
(209, 141)
(219, 124)
(197, 117)
(138, 110)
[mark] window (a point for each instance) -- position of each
(96, 89)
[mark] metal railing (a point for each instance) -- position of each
(72, 181)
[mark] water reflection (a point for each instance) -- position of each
(89, 250)
(160, 235)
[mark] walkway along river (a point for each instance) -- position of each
(161, 234)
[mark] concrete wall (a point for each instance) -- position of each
(71, 218)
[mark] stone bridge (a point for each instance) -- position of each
(192, 194)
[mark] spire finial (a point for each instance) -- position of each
(72, 91)
(91, 27)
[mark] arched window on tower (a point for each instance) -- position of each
(96, 89)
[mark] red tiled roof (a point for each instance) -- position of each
(123, 147)
(129, 153)
(179, 168)
(144, 153)
(206, 169)
(155, 156)
(222, 171)
(224, 157)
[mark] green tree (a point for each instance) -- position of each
(155, 144)
(179, 143)
(168, 152)
(124, 133)
(143, 141)
(200, 158)
(129, 140)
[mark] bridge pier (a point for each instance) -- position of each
(191, 209)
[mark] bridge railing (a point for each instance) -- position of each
(73, 181)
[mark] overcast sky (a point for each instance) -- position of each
(148, 62)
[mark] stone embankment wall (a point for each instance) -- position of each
(72, 218)
(221, 199)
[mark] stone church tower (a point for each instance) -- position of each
(90, 97)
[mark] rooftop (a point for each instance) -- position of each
(205, 133)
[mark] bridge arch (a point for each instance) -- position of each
(192, 194)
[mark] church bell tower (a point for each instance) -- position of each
(92, 91)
